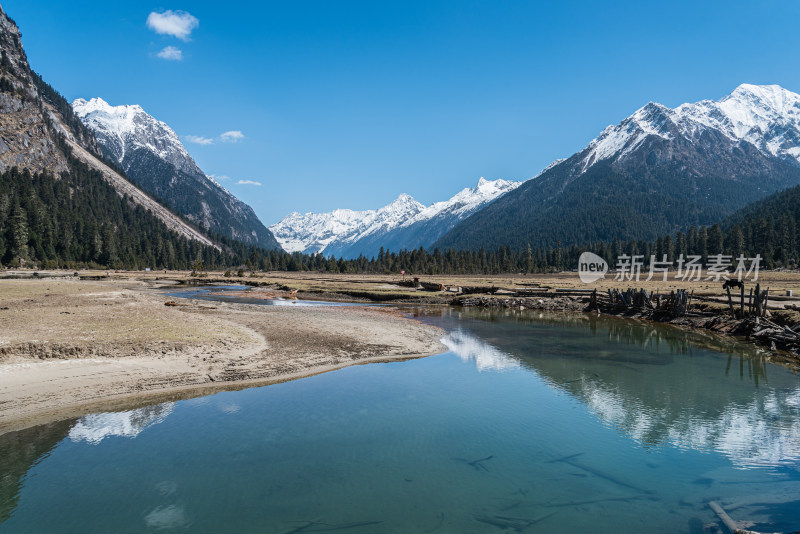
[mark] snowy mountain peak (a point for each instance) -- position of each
(767, 116)
(348, 232)
(98, 104)
(151, 153)
(466, 201)
(488, 187)
(314, 232)
(773, 96)
(403, 201)
(551, 165)
(126, 128)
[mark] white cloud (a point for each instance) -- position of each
(248, 182)
(234, 136)
(175, 23)
(198, 140)
(171, 53)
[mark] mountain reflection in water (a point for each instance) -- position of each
(552, 420)
(93, 428)
(484, 356)
(655, 383)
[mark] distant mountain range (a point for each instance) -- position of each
(658, 171)
(90, 184)
(151, 153)
(403, 224)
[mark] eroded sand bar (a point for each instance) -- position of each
(69, 347)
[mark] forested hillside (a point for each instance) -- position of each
(60, 206)
(79, 220)
(658, 171)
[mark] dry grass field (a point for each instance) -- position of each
(778, 282)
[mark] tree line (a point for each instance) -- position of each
(768, 228)
(79, 220)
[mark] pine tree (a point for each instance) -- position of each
(669, 248)
(716, 240)
(735, 241)
(19, 234)
(528, 259)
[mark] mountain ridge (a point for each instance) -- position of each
(404, 223)
(40, 133)
(658, 169)
(151, 153)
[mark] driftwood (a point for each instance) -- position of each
(729, 523)
(432, 286)
(676, 303)
(517, 524)
(571, 460)
(565, 458)
(679, 302)
(742, 299)
(319, 526)
(476, 464)
(730, 301)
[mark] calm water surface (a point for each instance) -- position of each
(224, 293)
(530, 423)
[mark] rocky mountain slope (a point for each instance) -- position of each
(60, 204)
(658, 171)
(403, 224)
(151, 153)
(26, 137)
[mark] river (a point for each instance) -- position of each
(529, 423)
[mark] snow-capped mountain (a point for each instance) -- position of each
(403, 224)
(319, 232)
(151, 153)
(658, 171)
(465, 201)
(38, 128)
(431, 223)
(766, 116)
(125, 129)
(312, 232)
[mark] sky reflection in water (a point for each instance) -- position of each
(553, 421)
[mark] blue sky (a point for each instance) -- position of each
(348, 104)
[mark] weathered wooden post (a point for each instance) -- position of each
(741, 306)
(757, 304)
(730, 301)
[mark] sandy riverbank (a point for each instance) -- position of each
(69, 347)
